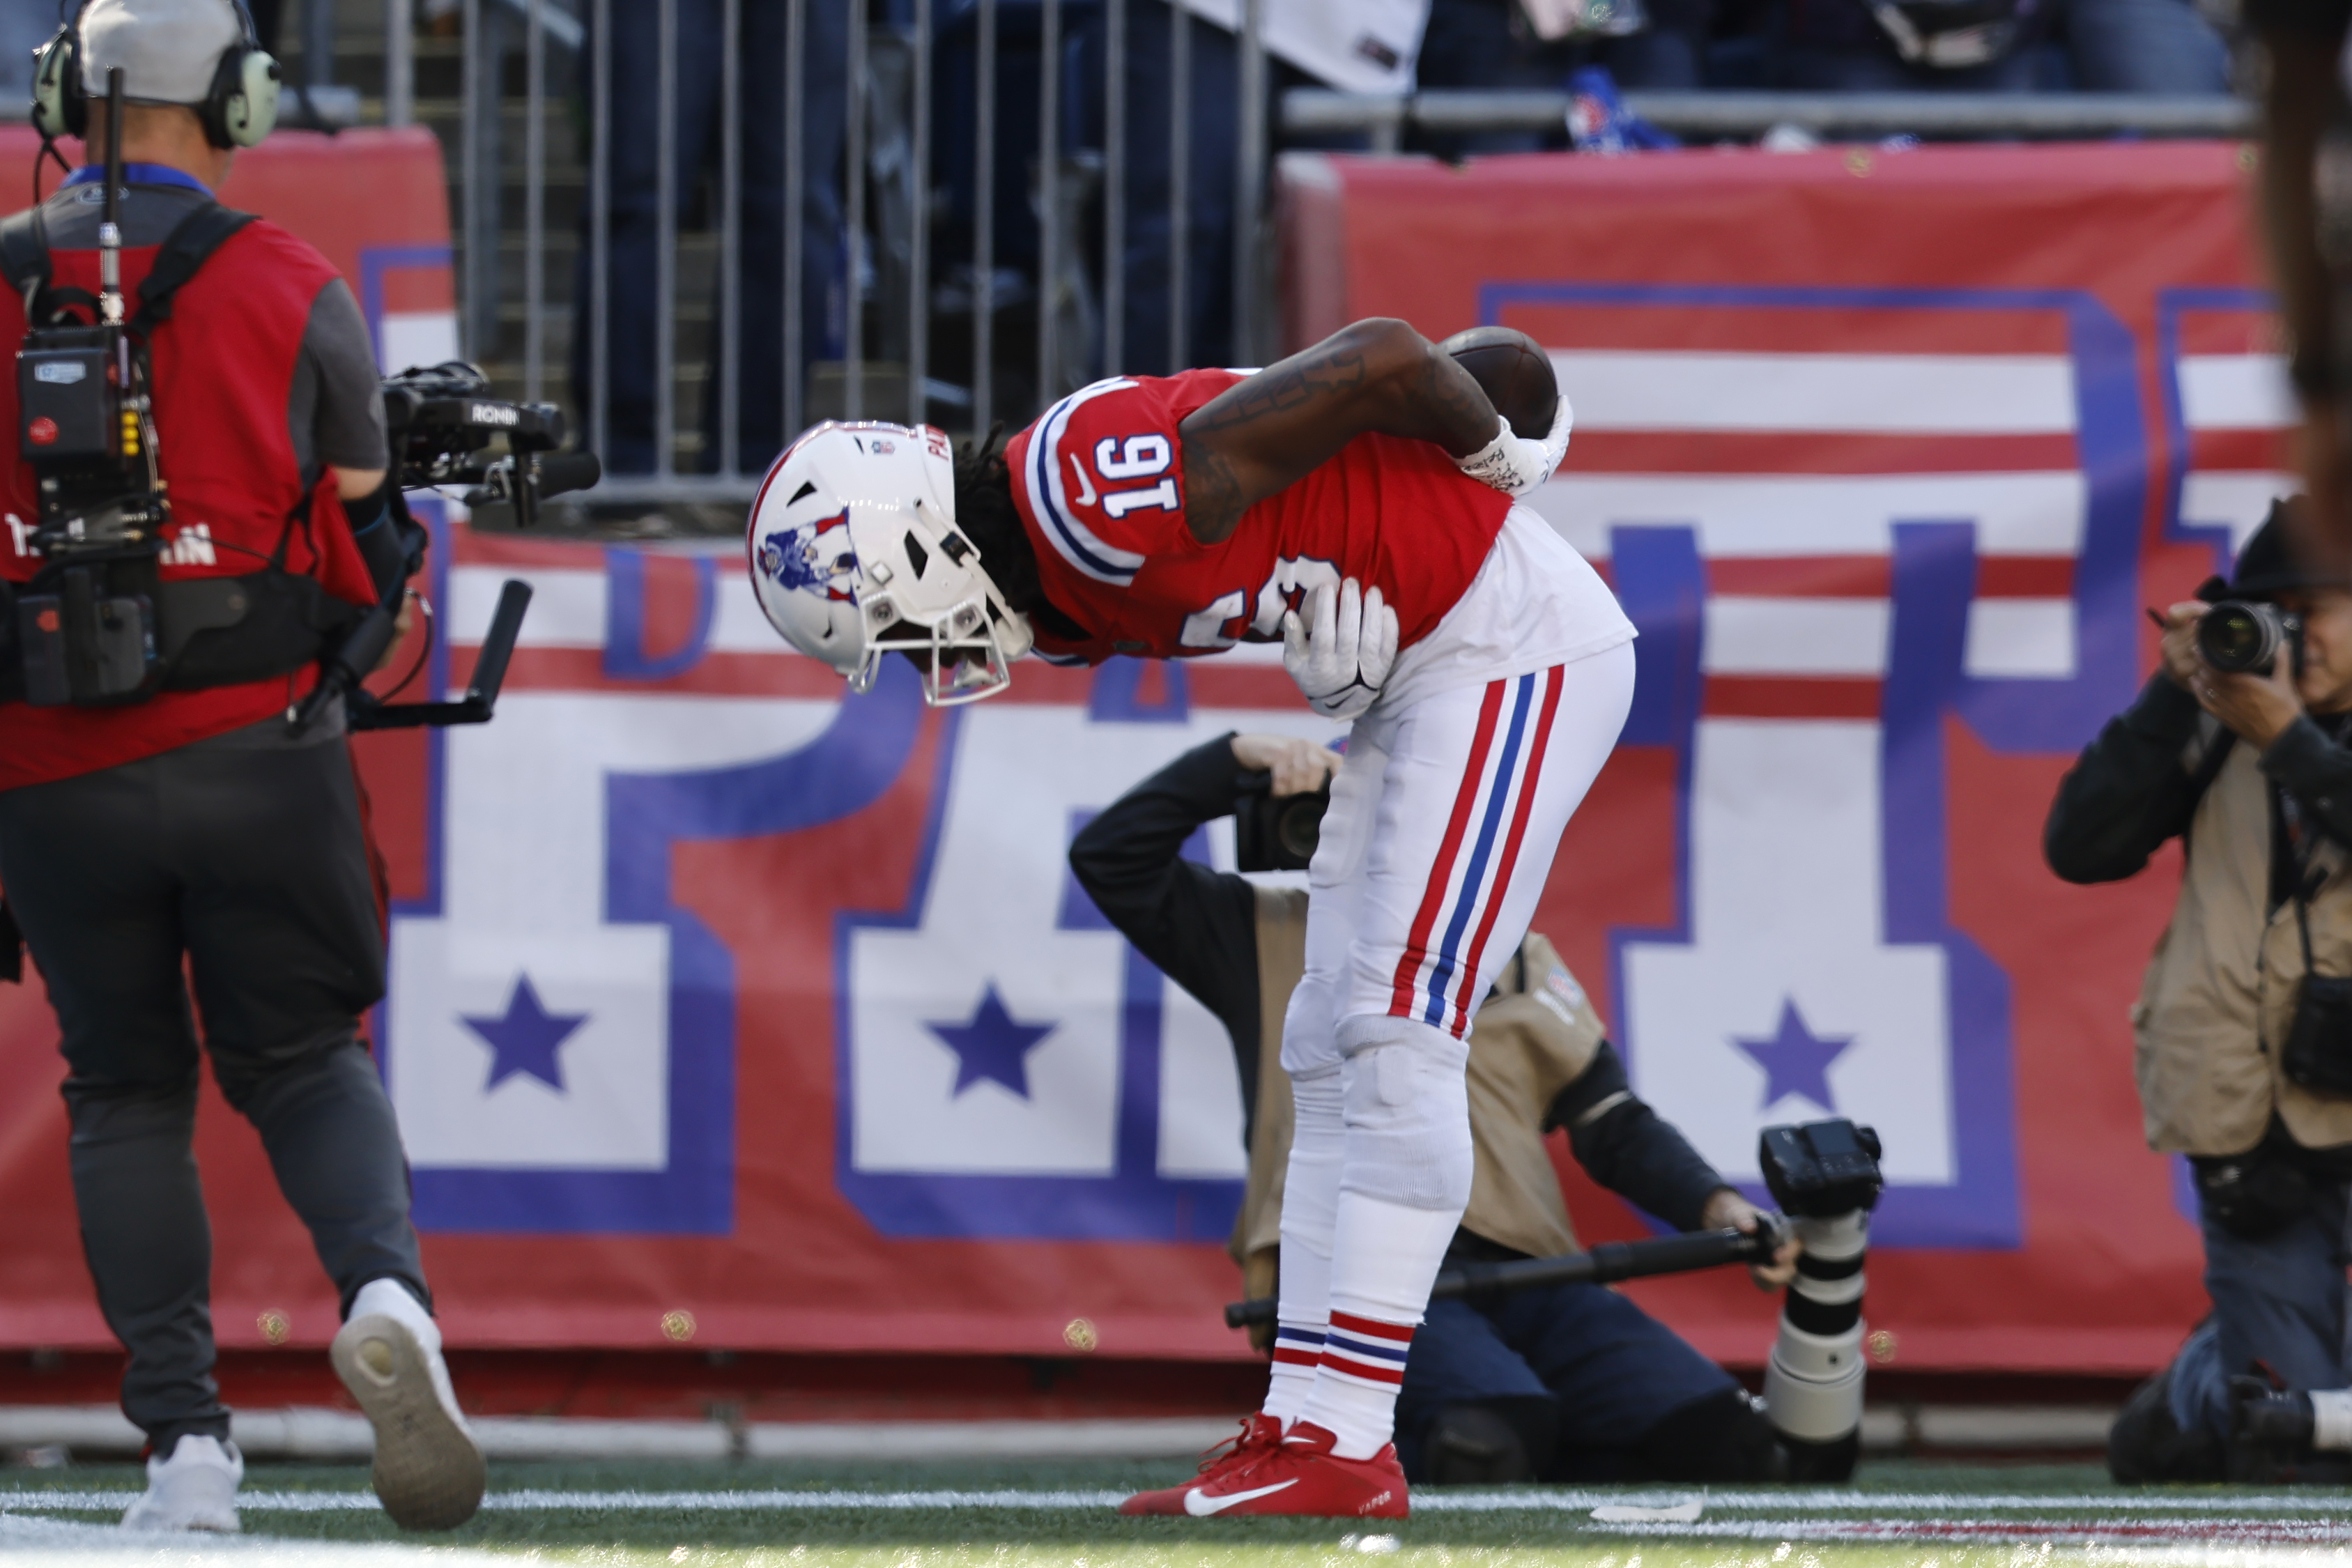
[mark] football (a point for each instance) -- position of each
(1514, 371)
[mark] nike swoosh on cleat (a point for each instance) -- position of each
(1086, 489)
(1200, 1505)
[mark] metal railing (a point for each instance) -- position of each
(883, 361)
(1743, 115)
(872, 245)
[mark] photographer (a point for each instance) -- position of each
(1564, 1381)
(2243, 1033)
(175, 832)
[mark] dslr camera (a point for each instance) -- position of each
(2241, 637)
(1278, 832)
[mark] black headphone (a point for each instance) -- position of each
(237, 110)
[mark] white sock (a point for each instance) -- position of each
(1310, 1199)
(1384, 1257)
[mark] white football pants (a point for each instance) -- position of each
(1437, 843)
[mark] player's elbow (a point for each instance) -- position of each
(1097, 858)
(1390, 350)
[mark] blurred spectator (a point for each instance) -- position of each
(1362, 46)
(25, 26)
(1843, 46)
(632, 374)
(2000, 46)
(2143, 45)
(1493, 44)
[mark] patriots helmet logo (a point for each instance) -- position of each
(814, 557)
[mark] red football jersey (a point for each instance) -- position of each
(1099, 481)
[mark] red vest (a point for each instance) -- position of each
(222, 367)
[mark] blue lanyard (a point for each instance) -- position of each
(139, 174)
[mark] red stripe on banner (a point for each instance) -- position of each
(1788, 696)
(1433, 898)
(2025, 576)
(1735, 328)
(1215, 684)
(2230, 332)
(1801, 577)
(469, 548)
(1812, 452)
(1370, 1371)
(2257, 451)
(1537, 742)
(1373, 1328)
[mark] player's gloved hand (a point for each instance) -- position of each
(1342, 651)
(1517, 464)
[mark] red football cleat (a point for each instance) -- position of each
(1260, 1435)
(1304, 1477)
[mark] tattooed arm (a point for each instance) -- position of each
(1261, 435)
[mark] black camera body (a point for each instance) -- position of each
(1278, 832)
(2244, 637)
(442, 420)
(1821, 1169)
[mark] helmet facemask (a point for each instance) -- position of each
(908, 581)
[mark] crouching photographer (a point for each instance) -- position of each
(1557, 1380)
(2243, 1026)
(194, 452)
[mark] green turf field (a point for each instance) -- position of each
(1016, 1515)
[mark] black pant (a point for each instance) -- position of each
(241, 863)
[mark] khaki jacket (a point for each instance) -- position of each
(1533, 1039)
(2220, 995)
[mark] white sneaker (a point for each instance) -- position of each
(195, 1488)
(428, 1469)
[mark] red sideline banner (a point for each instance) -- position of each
(728, 1011)
(1883, 453)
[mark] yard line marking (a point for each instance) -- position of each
(1771, 1509)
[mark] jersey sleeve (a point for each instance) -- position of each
(1103, 472)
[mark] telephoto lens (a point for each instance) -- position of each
(2241, 637)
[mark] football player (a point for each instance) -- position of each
(1357, 502)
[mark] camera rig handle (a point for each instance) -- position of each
(481, 696)
(1609, 1262)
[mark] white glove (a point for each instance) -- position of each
(1342, 651)
(1517, 464)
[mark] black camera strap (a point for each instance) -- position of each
(25, 261)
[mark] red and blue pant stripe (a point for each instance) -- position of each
(1480, 852)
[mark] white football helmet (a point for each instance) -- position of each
(855, 554)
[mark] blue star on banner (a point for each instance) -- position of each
(525, 1040)
(1795, 1060)
(992, 1045)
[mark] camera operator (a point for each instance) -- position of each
(178, 832)
(2244, 1035)
(1568, 1382)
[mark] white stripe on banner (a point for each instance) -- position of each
(2021, 639)
(2232, 498)
(1936, 394)
(1796, 636)
(1817, 514)
(2235, 392)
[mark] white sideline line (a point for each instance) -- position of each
(1774, 1505)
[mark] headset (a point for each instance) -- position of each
(239, 109)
